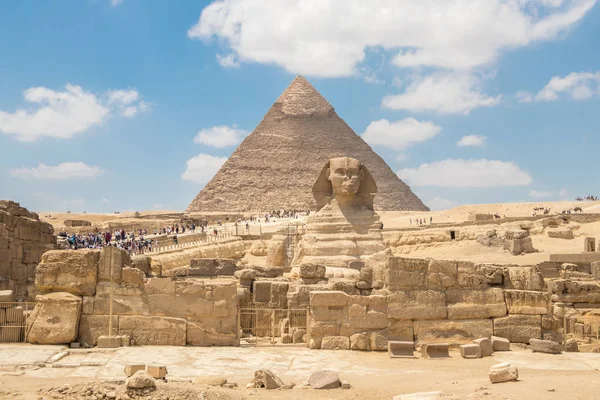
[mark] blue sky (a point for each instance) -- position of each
(133, 105)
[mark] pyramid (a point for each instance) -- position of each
(276, 166)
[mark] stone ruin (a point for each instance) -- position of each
(360, 296)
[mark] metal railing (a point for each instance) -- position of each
(13, 321)
(270, 327)
(184, 243)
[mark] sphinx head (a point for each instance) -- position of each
(345, 175)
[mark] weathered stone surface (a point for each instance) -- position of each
(55, 319)
(545, 346)
(434, 350)
(560, 233)
(328, 299)
(417, 305)
(211, 267)
(211, 333)
(159, 331)
(518, 328)
(324, 380)
(400, 330)
(7, 296)
(311, 270)
(360, 341)
(475, 304)
(210, 380)
(572, 346)
(140, 380)
(523, 278)
(401, 349)
(470, 276)
(423, 396)
(112, 259)
(156, 371)
(500, 344)
(504, 372)
(335, 343)
(470, 351)
(72, 271)
(378, 342)
(569, 291)
(486, 346)
(91, 327)
(127, 300)
(131, 369)
(133, 276)
(527, 302)
(442, 274)
(406, 273)
(264, 378)
(142, 263)
(454, 332)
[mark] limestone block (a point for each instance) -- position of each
(545, 346)
(324, 380)
(486, 346)
(298, 335)
(560, 233)
(133, 276)
(115, 258)
(264, 378)
(156, 371)
(131, 369)
(203, 333)
(518, 328)
(494, 274)
(500, 344)
(475, 304)
(262, 291)
(400, 330)
(360, 341)
(158, 331)
(360, 318)
(310, 270)
(569, 291)
(72, 271)
(347, 286)
(211, 267)
(88, 305)
(400, 349)
(55, 319)
(442, 274)
(435, 350)
(110, 342)
(335, 343)
(470, 351)
(328, 299)
(417, 305)
(572, 346)
(527, 302)
(378, 342)
(406, 273)
(142, 263)
(504, 372)
(126, 300)
(160, 286)
(91, 327)
(470, 276)
(455, 332)
(7, 296)
(523, 278)
(140, 380)
(279, 294)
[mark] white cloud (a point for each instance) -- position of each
(115, 3)
(66, 170)
(471, 141)
(442, 93)
(220, 136)
(67, 113)
(461, 173)
(228, 60)
(330, 38)
(578, 85)
(536, 194)
(401, 134)
(202, 168)
(105, 200)
(440, 203)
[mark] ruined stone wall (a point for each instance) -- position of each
(437, 301)
(150, 309)
(23, 240)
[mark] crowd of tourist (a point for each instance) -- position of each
(421, 221)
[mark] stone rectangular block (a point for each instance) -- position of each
(400, 349)
(417, 305)
(455, 332)
(435, 350)
(262, 291)
(328, 299)
(335, 343)
(527, 302)
(158, 331)
(486, 346)
(500, 344)
(156, 371)
(406, 273)
(109, 342)
(131, 369)
(475, 304)
(470, 351)
(545, 346)
(518, 328)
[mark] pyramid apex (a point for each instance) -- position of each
(301, 98)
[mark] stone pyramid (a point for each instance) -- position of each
(276, 166)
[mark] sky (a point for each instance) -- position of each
(131, 105)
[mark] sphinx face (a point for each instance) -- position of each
(345, 176)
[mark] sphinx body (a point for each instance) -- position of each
(345, 228)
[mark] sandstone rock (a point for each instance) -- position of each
(310, 270)
(335, 343)
(486, 346)
(424, 396)
(328, 299)
(299, 336)
(91, 327)
(360, 341)
(211, 267)
(523, 278)
(572, 346)
(500, 344)
(442, 274)
(475, 304)
(112, 259)
(378, 342)
(72, 271)
(157, 331)
(569, 291)
(560, 233)
(264, 378)
(142, 263)
(131, 369)
(470, 351)
(504, 372)
(210, 380)
(140, 380)
(324, 380)
(434, 350)
(545, 346)
(406, 273)
(518, 328)
(55, 319)
(454, 332)
(7, 296)
(156, 371)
